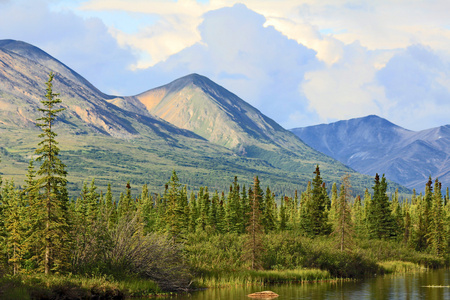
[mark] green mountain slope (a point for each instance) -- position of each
(198, 104)
(116, 139)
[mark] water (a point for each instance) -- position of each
(409, 286)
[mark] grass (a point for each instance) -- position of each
(394, 267)
(249, 277)
(74, 287)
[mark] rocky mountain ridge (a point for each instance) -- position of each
(372, 144)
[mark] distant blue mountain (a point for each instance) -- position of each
(374, 145)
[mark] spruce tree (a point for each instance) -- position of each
(381, 224)
(172, 213)
(436, 235)
(52, 204)
(146, 209)
(193, 213)
(397, 214)
(253, 248)
(213, 218)
(234, 215)
(268, 219)
(418, 239)
(245, 208)
(13, 222)
(282, 222)
(221, 220)
(358, 218)
(333, 206)
(30, 195)
(343, 227)
(315, 214)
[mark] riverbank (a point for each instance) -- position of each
(104, 287)
(289, 257)
(216, 261)
(39, 286)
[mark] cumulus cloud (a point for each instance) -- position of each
(299, 61)
(417, 83)
(258, 63)
(83, 44)
(175, 30)
(346, 89)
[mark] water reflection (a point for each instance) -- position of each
(410, 286)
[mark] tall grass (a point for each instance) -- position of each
(40, 286)
(217, 259)
(396, 266)
(249, 277)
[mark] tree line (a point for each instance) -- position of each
(42, 230)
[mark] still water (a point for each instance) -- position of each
(410, 286)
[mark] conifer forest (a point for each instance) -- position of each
(180, 240)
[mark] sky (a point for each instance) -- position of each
(300, 62)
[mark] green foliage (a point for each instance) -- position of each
(50, 218)
(314, 217)
(437, 237)
(380, 222)
(253, 248)
(161, 242)
(343, 226)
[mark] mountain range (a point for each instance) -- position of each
(191, 125)
(372, 144)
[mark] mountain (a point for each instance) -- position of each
(196, 103)
(192, 125)
(374, 145)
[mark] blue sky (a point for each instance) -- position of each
(301, 62)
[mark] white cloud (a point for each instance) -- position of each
(346, 89)
(329, 49)
(175, 30)
(83, 44)
(257, 63)
(349, 52)
(416, 82)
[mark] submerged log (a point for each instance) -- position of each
(263, 295)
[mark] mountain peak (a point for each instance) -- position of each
(27, 50)
(191, 79)
(372, 145)
(196, 103)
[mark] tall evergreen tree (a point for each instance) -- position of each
(245, 208)
(146, 209)
(333, 206)
(397, 214)
(282, 216)
(52, 205)
(268, 219)
(253, 248)
(343, 227)
(314, 213)
(381, 224)
(358, 219)
(436, 235)
(234, 212)
(172, 196)
(221, 220)
(193, 213)
(13, 223)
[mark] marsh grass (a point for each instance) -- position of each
(394, 267)
(252, 277)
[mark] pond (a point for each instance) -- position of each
(425, 285)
